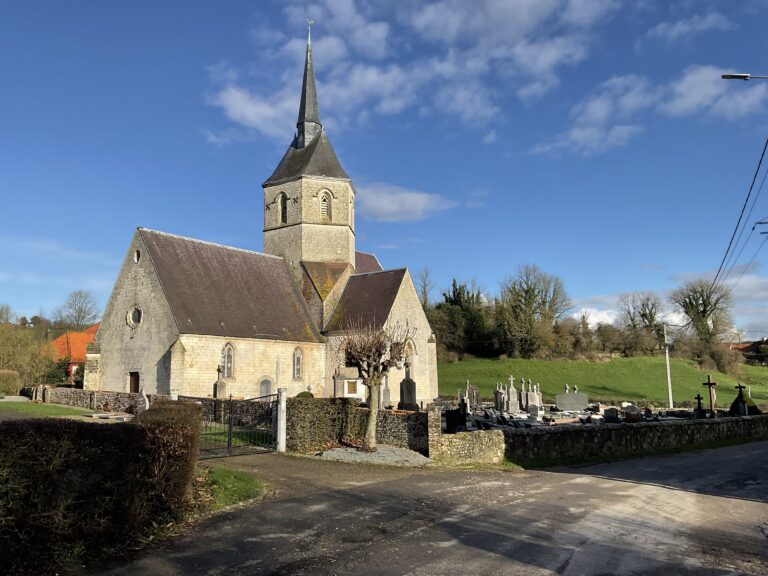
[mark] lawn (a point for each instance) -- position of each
(631, 379)
(17, 410)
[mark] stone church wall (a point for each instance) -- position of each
(254, 362)
(142, 348)
(407, 308)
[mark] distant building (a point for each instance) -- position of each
(751, 350)
(72, 346)
(181, 308)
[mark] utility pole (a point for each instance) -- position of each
(669, 374)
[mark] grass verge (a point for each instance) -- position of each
(635, 379)
(232, 486)
(34, 410)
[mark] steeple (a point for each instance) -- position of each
(308, 124)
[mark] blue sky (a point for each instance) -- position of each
(594, 138)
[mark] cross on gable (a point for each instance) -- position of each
(740, 387)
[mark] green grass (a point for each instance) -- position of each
(631, 379)
(33, 410)
(233, 486)
(214, 433)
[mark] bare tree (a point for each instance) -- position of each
(426, 284)
(373, 351)
(6, 314)
(640, 317)
(529, 304)
(707, 309)
(80, 309)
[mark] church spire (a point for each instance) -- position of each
(308, 124)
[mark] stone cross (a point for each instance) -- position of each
(567, 389)
(698, 399)
(512, 381)
(740, 387)
(711, 385)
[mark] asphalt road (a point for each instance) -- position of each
(703, 513)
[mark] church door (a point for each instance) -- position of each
(134, 379)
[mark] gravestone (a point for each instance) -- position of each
(743, 405)
(699, 412)
(408, 395)
(611, 415)
(143, 403)
(512, 403)
(573, 402)
(534, 412)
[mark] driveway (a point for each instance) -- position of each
(703, 513)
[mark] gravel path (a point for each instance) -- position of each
(388, 455)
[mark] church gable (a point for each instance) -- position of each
(367, 298)
(221, 291)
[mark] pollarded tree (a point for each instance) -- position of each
(374, 352)
(707, 309)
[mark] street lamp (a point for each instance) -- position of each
(741, 77)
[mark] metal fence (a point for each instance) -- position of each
(232, 427)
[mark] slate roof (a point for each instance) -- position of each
(367, 298)
(365, 263)
(324, 275)
(316, 159)
(222, 291)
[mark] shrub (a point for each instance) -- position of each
(10, 383)
(71, 491)
(305, 394)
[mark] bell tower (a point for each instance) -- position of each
(309, 200)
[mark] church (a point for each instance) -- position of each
(187, 315)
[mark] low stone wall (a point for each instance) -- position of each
(612, 441)
(575, 444)
(480, 447)
(99, 401)
(321, 423)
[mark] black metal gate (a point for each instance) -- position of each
(233, 427)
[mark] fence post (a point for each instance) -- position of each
(229, 426)
(281, 419)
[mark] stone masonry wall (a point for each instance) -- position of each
(99, 401)
(558, 445)
(588, 443)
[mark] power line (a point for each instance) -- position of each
(741, 216)
(749, 215)
(750, 263)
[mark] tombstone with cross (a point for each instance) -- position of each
(711, 385)
(699, 412)
(739, 406)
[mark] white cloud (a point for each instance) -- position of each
(596, 316)
(272, 116)
(690, 27)
(489, 137)
(389, 203)
(701, 90)
(365, 63)
(610, 116)
(602, 121)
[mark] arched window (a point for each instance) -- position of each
(282, 203)
(298, 368)
(228, 361)
(325, 207)
(265, 387)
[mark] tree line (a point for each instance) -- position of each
(528, 317)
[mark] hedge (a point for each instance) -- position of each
(10, 383)
(73, 491)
